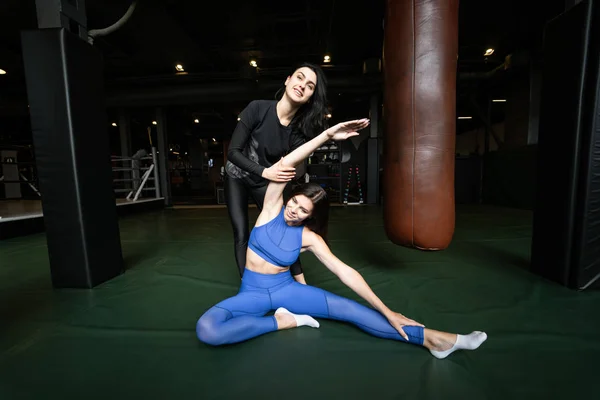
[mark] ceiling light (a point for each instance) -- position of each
(465, 117)
(197, 121)
(2, 72)
(499, 100)
(154, 123)
(327, 58)
(253, 63)
(328, 115)
(214, 140)
(489, 52)
(239, 119)
(179, 67)
(114, 124)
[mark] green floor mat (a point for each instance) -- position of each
(134, 336)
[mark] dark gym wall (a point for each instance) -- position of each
(509, 177)
(516, 124)
(509, 172)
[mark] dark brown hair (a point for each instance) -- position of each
(310, 119)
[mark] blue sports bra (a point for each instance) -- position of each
(276, 241)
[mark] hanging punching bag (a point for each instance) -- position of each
(419, 114)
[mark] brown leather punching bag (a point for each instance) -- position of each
(419, 115)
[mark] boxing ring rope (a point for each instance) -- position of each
(23, 179)
(138, 184)
(25, 173)
(14, 172)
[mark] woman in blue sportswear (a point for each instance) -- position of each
(282, 231)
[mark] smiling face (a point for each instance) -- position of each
(298, 209)
(300, 86)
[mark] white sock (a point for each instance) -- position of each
(301, 320)
(463, 342)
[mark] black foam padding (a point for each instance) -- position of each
(68, 118)
(566, 226)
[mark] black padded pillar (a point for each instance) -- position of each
(68, 14)
(68, 118)
(566, 224)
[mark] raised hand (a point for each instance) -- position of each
(345, 130)
(398, 321)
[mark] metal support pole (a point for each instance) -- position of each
(125, 133)
(486, 120)
(141, 187)
(68, 14)
(535, 91)
(163, 155)
(486, 150)
(125, 140)
(373, 153)
(155, 170)
(486, 140)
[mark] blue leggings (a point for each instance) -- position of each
(242, 316)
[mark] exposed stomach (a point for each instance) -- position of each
(256, 263)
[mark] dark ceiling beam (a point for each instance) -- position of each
(160, 31)
(511, 61)
(222, 92)
(308, 20)
(289, 17)
(219, 76)
(233, 44)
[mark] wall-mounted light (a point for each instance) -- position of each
(488, 52)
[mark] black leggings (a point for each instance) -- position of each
(236, 196)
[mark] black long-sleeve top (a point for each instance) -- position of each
(259, 141)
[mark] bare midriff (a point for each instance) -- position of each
(256, 263)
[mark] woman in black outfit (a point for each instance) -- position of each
(267, 131)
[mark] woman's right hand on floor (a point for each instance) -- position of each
(279, 173)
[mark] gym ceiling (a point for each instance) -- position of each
(215, 42)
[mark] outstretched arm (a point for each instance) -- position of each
(354, 280)
(342, 131)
